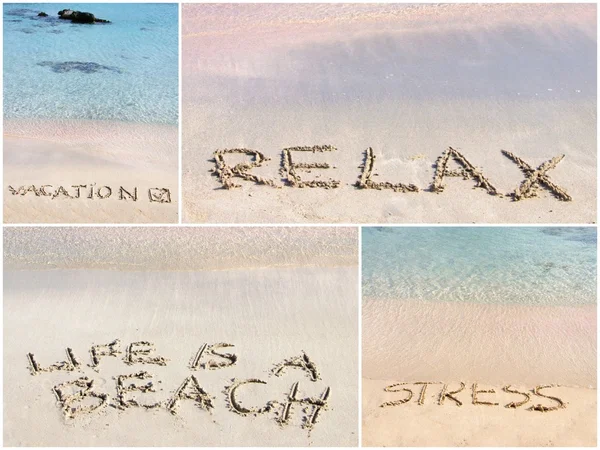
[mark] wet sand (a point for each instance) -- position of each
(408, 82)
(135, 162)
(496, 347)
(477, 425)
(226, 343)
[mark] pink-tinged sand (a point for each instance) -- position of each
(408, 81)
(491, 345)
(69, 153)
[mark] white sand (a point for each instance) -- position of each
(408, 82)
(93, 154)
(270, 307)
(430, 424)
(492, 345)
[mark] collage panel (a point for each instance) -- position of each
(180, 336)
(389, 113)
(479, 336)
(91, 104)
(299, 225)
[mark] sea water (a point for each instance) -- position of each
(126, 70)
(507, 265)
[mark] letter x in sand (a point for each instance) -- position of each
(536, 177)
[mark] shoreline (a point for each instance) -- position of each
(495, 343)
(487, 348)
(187, 250)
(108, 136)
(308, 78)
(89, 171)
(177, 313)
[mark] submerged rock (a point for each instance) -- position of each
(79, 17)
(42, 14)
(20, 12)
(85, 67)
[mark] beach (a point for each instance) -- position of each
(90, 115)
(407, 81)
(268, 299)
(83, 157)
(492, 347)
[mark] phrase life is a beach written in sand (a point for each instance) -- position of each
(79, 396)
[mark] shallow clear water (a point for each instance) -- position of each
(126, 70)
(372, 53)
(524, 265)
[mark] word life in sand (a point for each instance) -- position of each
(79, 397)
(535, 178)
(475, 394)
(91, 192)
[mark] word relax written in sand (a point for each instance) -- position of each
(535, 178)
(79, 397)
(91, 191)
(459, 394)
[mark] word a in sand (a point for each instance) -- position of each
(80, 397)
(475, 395)
(91, 192)
(291, 173)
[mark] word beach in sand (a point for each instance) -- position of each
(535, 178)
(80, 397)
(460, 393)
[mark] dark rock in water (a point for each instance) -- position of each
(80, 17)
(85, 67)
(42, 14)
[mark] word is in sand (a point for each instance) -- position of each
(460, 394)
(79, 397)
(292, 176)
(91, 192)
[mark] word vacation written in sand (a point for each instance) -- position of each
(461, 394)
(290, 171)
(91, 192)
(80, 397)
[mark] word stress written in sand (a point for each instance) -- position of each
(291, 173)
(92, 192)
(80, 396)
(459, 394)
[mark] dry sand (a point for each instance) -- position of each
(492, 345)
(447, 425)
(284, 292)
(408, 81)
(50, 154)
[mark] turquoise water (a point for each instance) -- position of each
(126, 70)
(525, 265)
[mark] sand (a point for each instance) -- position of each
(406, 81)
(126, 172)
(493, 346)
(430, 424)
(263, 311)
